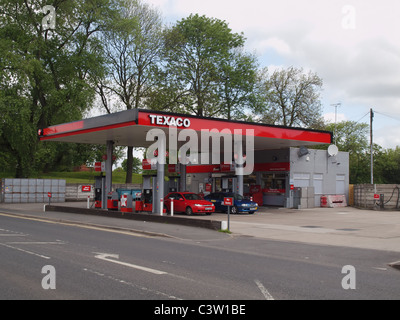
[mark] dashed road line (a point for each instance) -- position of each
(25, 251)
(263, 290)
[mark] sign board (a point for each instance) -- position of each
(173, 168)
(49, 194)
(228, 201)
(169, 121)
(377, 196)
(100, 166)
(86, 188)
(227, 167)
(148, 164)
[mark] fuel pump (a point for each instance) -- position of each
(99, 197)
(147, 200)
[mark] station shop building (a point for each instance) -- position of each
(280, 160)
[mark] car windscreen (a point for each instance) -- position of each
(192, 196)
(236, 196)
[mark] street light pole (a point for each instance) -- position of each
(336, 105)
(372, 145)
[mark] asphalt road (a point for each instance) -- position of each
(91, 263)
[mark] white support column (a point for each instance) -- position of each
(239, 165)
(110, 147)
(160, 172)
(182, 182)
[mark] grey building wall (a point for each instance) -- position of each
(329, 175)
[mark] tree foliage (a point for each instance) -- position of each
(45, 73)
(350, 136)
(132, 48)
(353, 137)
(198, 50)
(293, 98)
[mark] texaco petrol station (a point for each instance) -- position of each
(205, 155)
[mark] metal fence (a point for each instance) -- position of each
(32, 190)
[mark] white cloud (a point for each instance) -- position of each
(330, 117)
(276, 44)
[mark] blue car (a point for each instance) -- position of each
(240, 204)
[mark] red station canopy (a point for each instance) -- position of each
(129, 128)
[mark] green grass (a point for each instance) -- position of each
(82, 177)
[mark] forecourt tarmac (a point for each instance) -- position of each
(346, 226)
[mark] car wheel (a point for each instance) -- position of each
(234, 210)
(189, 211)
(251, 212)
(208, 213)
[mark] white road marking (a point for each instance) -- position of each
(80, 225)
(107, 256)
(100, 274)
(25, 251)
(263, 290)
(32, 242)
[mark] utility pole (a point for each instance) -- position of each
(336, 105)
(372, 145)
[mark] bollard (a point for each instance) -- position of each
(381, 202)
(161, 206)
(172, 207)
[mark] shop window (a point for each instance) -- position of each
(318, 183)
(340, 184)
(248, 181)
(273, 183)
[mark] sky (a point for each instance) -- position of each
(353, 45)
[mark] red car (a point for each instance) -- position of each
(188, 202)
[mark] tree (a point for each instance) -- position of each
(293, 99)
(44, 71)
(387, 165)
(197, 49)
(352, 137)
(132, 49)
(237, 84)
(136, 167)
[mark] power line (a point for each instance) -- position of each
(363, 116)
(386, 115)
